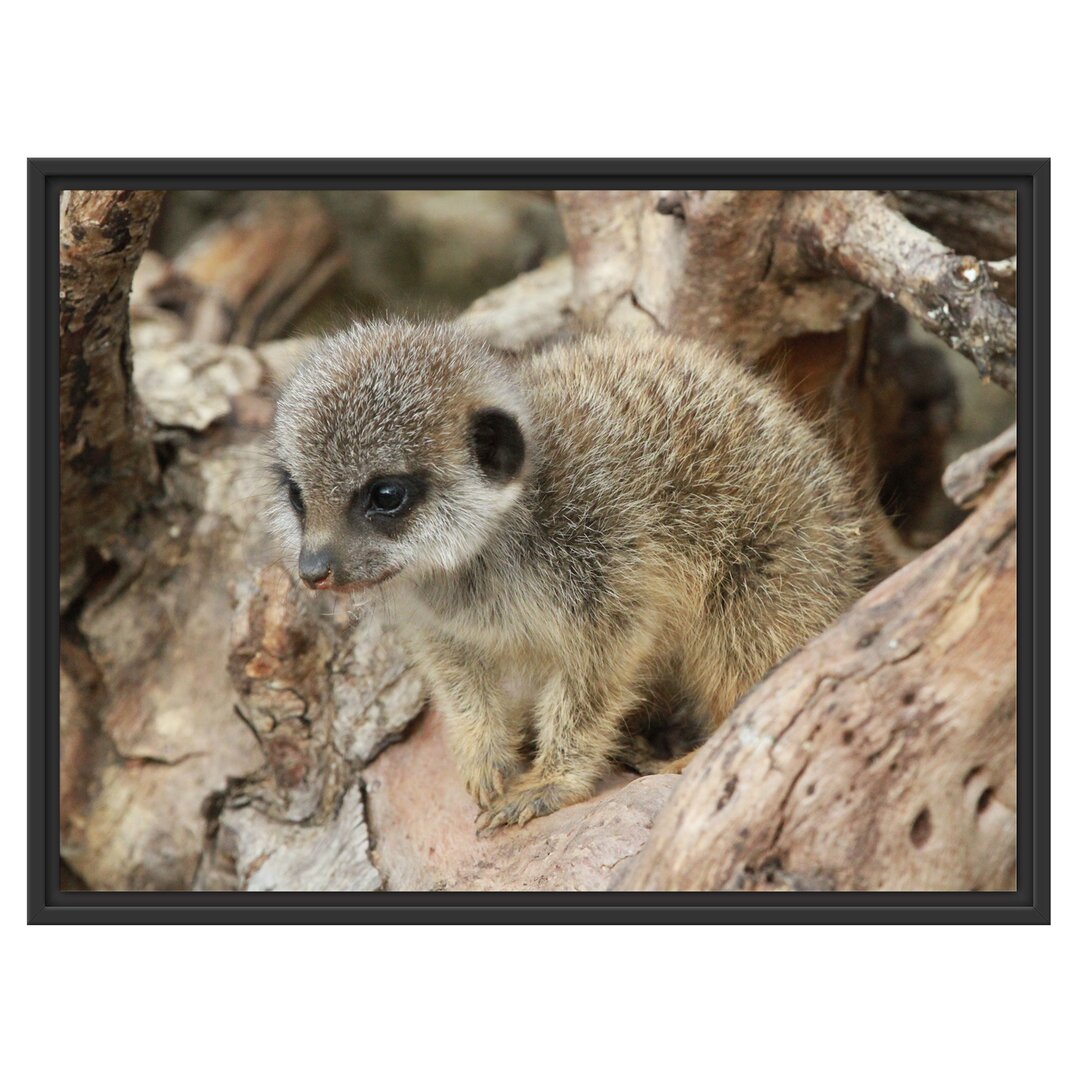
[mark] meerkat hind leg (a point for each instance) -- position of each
(664, 734)
(641, 756)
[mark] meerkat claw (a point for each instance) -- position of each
(492, 821)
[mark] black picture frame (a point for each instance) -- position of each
(1030, 903)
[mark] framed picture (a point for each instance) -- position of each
(539, 541)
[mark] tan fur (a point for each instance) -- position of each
(675, 529)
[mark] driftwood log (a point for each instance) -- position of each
(293, 751)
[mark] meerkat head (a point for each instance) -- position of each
(398, 448)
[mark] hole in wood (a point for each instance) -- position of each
(984, 800)
(971, 774)
(921, 828)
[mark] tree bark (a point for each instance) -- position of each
(982, 223)
(749, 269)
(880, 756)
(699, 264)
(107, 464)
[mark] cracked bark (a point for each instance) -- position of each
(107, 465)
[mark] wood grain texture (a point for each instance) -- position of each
(967, 479)
(107, 464)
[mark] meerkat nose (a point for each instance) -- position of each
(315, 568)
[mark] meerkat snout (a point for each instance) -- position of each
(607, 541)
(316, 567)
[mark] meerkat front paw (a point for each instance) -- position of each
(485, 787)
(487, 776)
(532, 796)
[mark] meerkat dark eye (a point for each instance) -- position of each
(390, 496)
(498, 444)
(292, 490)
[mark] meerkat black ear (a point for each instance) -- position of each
(498, 444)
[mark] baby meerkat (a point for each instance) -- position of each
(577, 546)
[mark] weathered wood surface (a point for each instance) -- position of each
(107, 464)
(749, 269)
(700, 264)
(966, 479)
(981, 223)
(256, 271)
(532, 309)
(880, 756)
(857, 234)
(146, 704)
(322, 696)
(242, 279)
(148, 727)
(424, 825)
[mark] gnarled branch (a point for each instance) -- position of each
(858, 235)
